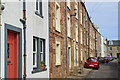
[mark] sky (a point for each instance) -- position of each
(105, 16)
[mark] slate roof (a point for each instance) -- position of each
(113, 43)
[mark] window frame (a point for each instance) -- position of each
(35, 52)
(57, 17)
(68, 25)
(37, 68)
(58, 55)
(39, 8)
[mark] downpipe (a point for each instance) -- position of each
(24, 28)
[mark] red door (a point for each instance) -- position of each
(12, 54)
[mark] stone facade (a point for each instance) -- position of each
(76, 37)
(113, 48)
(57, 71)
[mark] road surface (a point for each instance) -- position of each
(107, 70)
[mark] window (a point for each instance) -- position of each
(34, 52)
(41, 49)
(110, 48)
(68, 4)
(87, 40)
(76, 33)
(110, 42)
(81, 17)
(69, 56)
(68, 24)
(38, 54)
(39, 8)
(81, 36)
(77, 57)
(58, 53)
(57, 17)
(74, 54)
(84, 39)
(76, 11)
(84, 20)
(81, 55)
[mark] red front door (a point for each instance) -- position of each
(12, 54)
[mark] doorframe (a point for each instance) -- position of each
(19, 30)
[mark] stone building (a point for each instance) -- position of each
(71, 38)
(113, 48)
(57, 40)
(97, 42)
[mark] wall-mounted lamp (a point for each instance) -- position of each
(2, 7)
(74, 13)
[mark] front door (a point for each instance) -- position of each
(12, 54)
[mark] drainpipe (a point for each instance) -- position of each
(24, 28)
(66, 42)
(0, 38)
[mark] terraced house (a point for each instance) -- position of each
(45, 39)
(24, 39)
(57, 39)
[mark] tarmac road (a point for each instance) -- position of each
(106, 70)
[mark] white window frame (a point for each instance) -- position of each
(74, 54)
(58, 54)
(81, 55)
(81, 17)
(81, 36)
(77, 57)
(35, 52)
(39, 8)
(41, 53)
(68, 4)
(69, 56)
(68, 25)
(76, 32)
(57, 16)
(76, 7)
(84, 20)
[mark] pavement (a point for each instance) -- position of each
(86, 72)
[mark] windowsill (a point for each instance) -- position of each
(69, 8)
(81, 24)
(58, 64)
(58, 31)
(69, 36)
(36, 12)
(38, 70)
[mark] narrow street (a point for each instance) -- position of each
(107, 70)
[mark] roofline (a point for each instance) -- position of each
(89, 16)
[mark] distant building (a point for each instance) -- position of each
(102, 47)
(113, 48)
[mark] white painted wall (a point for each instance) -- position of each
(102, 47)
(36, 26)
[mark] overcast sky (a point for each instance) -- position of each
(105, 16)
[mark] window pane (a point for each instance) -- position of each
(36, 4)
(8, 50)
(57, 53)
(40, 5)
(33, 58)
(41, 46)
(34, 45)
